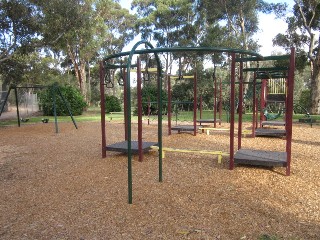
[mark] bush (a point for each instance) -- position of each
(150, 93)
(305, 99)
(73, 98)
(112, 104)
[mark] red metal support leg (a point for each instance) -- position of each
(195, 104)
(169, 105)
(289, 110)
(232, 106)
(103, 111)
(215, 101)
(240, 105)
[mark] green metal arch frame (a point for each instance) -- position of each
(128, 88)
(151, 49)
(183, 49)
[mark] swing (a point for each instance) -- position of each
(45, 120)
(272, 116)
(25, 102)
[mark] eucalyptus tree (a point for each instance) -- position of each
(121, 30)
(168, 23)
(233, 24)
(19, 31)
(239, 19)
(19, 28)
(303, 34)
(79, 29)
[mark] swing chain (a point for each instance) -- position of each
(107, 79)
(121, 77)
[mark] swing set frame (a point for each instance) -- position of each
(55, 90)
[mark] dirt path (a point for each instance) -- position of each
(57, 186)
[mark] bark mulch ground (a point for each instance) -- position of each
(57, 186)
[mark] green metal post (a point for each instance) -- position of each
(53, 92)
(128, 113)
(17, 104)
(160, 115)
(67, 106)
(5, 100)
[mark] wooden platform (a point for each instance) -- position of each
(208, 121)
(270, 132)
(261, 158)
(273, 123)
(184, 128)
(123, 147)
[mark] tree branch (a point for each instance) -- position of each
(308, 28)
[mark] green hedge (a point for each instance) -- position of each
(73, 98)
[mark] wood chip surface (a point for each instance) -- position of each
(57, 186)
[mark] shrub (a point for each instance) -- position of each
(305, 99)
(112, 104)
(150, 93)
(72, 96)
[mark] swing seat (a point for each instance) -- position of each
(270, 116)
(24, 119)
(45, 120)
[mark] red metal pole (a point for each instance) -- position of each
(254, 106)
(220, 102)
(139, 93)
(240, 106)
(215, 102)
(263, 100)
(103, 111)
(256, 110)
(232, 106)
(149, 110)
(195, 104)
(169, 105)
(289, 110)
(201, 107)
(125, 107)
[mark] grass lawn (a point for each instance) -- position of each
(93, 114)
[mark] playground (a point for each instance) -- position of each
(57, 186)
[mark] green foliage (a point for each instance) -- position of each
(305, 99)
(302, 25)
(73, 98)
(19, 25)
(112, 104)
(150, 93)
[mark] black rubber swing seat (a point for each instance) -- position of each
(24, 119)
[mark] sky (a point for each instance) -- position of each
(268, 24)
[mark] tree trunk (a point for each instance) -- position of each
(83, 80)
(315, 90)
(89, 84)
(80, 72)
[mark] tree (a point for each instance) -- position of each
(240, 18)
(19, 28)
(301, 34)
(30, 69)
(79, 29)
(169, 23)
(233, 23)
